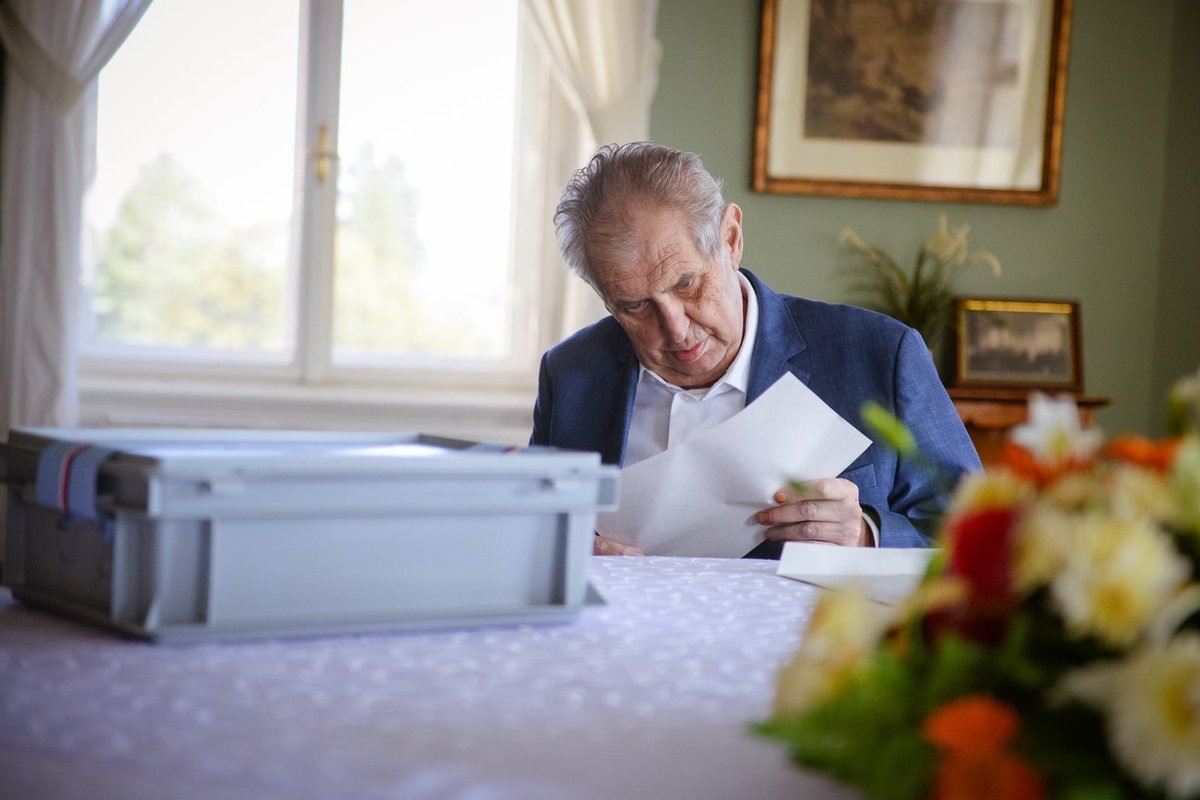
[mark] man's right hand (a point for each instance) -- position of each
(604, 546)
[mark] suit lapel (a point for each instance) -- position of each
(617, 394)
(778, 344)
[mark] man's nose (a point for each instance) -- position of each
(675, 321)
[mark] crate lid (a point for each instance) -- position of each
(165, 471)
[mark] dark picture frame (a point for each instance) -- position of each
(935, 100)
(1017, 343)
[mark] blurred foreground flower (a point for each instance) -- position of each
(1054, 648)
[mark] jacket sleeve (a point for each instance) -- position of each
(542, 408)
(920, 491)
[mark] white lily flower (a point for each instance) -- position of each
(1054, 431)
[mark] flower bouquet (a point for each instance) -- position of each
(1053, 648)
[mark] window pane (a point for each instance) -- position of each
(422, 264)
(192, 200)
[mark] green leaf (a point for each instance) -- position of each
(887, 427)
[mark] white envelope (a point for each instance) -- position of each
(886, 574)
(699, 498)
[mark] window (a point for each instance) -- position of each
(298, 202)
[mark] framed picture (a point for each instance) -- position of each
(1017, 344)
(943, 100)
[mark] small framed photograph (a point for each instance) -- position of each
(1017, 343)
(936, 100)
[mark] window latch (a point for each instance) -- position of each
(323, 155)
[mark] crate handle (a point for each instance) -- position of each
(67, 477)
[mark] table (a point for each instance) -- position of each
(648, 696)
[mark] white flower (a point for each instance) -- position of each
(1054, 432)
(1042, 545)
(844, 628)
(1152, 703)
(1117, 577)
(1138, 493)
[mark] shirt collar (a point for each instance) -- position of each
(737, 376)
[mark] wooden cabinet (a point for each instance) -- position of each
(989, 414)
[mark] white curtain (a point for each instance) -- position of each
(53, 52)
(604, 58)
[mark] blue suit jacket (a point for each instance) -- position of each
(846, 355)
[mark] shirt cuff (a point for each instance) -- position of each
(869, 516)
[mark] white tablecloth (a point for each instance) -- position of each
(649, 696)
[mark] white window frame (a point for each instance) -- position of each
(481, 400)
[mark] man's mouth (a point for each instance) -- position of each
(691, 354)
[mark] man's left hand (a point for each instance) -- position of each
(825, 510)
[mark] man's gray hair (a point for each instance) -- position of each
(598, 205)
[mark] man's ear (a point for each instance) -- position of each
(731, 232)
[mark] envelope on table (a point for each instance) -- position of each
(886, 574)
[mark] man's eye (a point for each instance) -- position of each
(633, 308)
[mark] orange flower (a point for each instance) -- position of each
(1025, 464)
(994, 777)
(973, 735)
(1140, 451)
(972, 724)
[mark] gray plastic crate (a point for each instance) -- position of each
(200, 535)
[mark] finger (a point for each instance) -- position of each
(822, 489)
(604, 546)
(810, 510)
(813, 531)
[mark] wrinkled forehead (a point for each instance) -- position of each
(648, 256)
(627, 231)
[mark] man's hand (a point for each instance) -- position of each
(818, 511)
(604, 546)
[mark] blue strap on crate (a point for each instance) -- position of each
(68, 476)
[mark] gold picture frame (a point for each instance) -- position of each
(931, 100)
(1017, 343)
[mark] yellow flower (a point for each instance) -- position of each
(1118, 576)
(1152, 701)
(1043, 544)
(1139, 493)
(1074, 491)
(843, 630)
(937, 593)
(998, 488)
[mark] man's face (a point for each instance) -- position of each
(682, 309)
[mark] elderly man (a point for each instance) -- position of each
(692, 339)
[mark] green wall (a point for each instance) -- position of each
(1120, 240)
(1177, 329)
